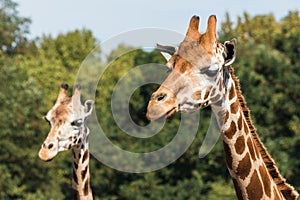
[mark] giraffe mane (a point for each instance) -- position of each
(286, 189)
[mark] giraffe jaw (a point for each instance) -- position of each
(171, 112)
(189, 107)
(155, 113)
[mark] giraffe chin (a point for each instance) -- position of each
(46, 156)
(162, 116)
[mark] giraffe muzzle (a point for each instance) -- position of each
(48, 150)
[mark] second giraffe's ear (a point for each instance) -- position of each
(88, 107)
(230, 52)
(166, 51)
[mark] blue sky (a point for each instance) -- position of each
(112, 17)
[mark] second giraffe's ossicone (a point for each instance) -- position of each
(68, 131)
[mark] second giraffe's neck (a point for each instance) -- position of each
(253, 171)
(81, 175)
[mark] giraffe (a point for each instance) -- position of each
(201, 76)
(69, 131)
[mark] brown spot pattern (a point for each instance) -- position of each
(83, 173)
(240, 122)
(86, 187)
(265, 179)
(206, 93)
(75, 177)
(228, 155)
(213, 91)
(234, 107)
(231, 130)
(232, 93)
(76, 194)
(254, 189)
(251, 149)
(246, 129)
(79, 141)
(75, 165)
(219, 82)
(226, 116)
(184, 65)
(86, 155)
(238, 191)
(244, 167)
(74, 155)
(196, 95)
(220, 85)
(240, 144)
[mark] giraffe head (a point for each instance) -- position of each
(66, 118)
(199, 71)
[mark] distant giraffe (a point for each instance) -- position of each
(69, 131)
(201, 76)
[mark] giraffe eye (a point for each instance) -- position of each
(77, 122)
(161, 97)
(209, 72)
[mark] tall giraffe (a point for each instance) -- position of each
(202, 76)
(69, 131)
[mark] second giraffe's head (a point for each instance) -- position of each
(66, 118)
(199, 72)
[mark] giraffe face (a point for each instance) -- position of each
(197, 72)
(66, 119)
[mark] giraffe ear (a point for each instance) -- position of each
(166, 51)
(88, 107)
(230, 52)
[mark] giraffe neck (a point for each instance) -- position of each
(81, 175)
(253, 171)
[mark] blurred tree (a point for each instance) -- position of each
(22, 174)
(288, 41)
(57, 60)
(13, 30)
(73, 47)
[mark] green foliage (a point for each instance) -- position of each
(222, 189)
(13, 29)
(267, 66)
(20, 132)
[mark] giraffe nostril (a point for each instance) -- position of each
(160, 97)
(50, 146)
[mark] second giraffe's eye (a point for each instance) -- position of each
(209, 72)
